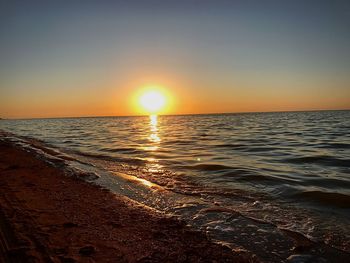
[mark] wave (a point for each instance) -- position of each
(246, 147)
(326, 198)
(322, 160)
(238, 172)
(121, 150)
(260, 149)
(178, 142)
(231, 145)
(133, 161)
(209, 167)
(336, 146)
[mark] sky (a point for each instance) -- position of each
(90, 58)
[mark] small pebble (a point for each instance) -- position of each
(298, 258)
(87, 250)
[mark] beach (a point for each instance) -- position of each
(175, 131)
(47, 216)
(79, 191)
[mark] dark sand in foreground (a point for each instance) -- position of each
(47, 216)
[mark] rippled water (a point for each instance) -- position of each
(273, 163)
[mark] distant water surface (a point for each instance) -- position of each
(281, 162)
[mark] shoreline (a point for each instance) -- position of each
(28, 164)
(47, 216)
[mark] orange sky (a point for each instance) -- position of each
(183, 99)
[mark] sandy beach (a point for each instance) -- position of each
(47, 216)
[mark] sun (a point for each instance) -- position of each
(152, 101)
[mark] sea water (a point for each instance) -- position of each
(287, 169)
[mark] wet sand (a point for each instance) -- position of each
(47, 216)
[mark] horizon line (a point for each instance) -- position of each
(182, 114)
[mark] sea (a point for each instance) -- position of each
(263, 182)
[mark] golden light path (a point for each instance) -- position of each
(152, 100)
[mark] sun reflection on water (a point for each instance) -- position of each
(152, 136)
(154, 129)
(153, 166)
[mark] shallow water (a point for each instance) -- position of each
(291, 169)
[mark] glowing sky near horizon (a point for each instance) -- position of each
(66, 58)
